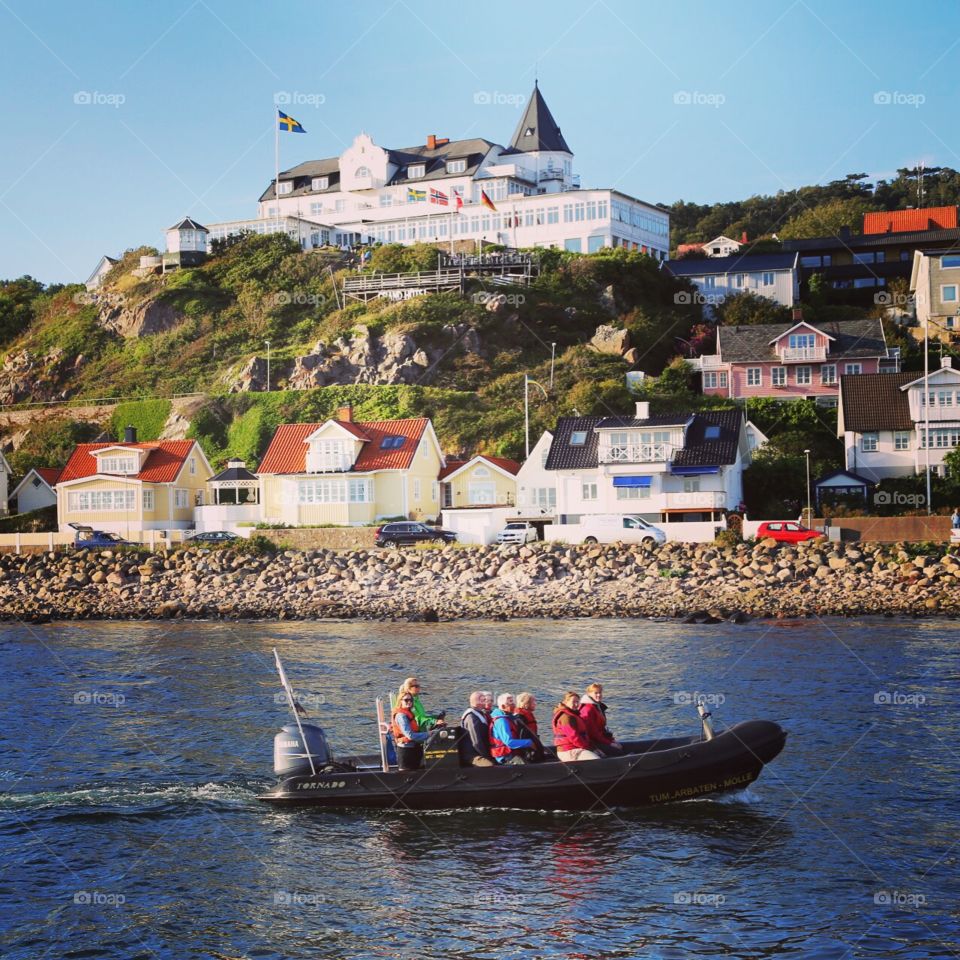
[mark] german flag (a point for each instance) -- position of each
(486, 201)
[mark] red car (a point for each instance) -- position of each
(786, 531)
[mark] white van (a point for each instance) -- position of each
(606, 528)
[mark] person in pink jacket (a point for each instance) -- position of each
(593, 713)
(569, 733)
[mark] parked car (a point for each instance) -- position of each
(786, 531)
(518, 531)
(87, 537)
(213, 536)
(409, 532)
(606, 528)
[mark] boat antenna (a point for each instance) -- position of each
(295, 706)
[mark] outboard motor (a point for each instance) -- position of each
(291, 758)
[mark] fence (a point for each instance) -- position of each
(47, 542)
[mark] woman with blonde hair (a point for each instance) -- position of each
(593, 713)
(425, 721)
(569, 735)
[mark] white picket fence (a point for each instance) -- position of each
(153, 539)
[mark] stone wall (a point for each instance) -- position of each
(893, 529)
(322, 538)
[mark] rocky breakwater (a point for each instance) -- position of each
(702, 583)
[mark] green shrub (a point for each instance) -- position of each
(147, 416)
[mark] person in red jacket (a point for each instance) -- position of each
(569, 734)
(526, 704)
(407, 735)
(593, 713)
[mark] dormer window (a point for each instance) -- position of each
(416, 170)
(320, 183)
(286, 186)
(528, 132)
(711, 433)
(330, 456)
(121, 465)
(456, 166)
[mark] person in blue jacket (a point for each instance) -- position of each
(505, 745)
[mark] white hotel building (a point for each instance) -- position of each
(372, 194)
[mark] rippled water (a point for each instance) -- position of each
(131, 756)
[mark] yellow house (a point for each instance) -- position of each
(130, 486)
(351, 472)
(483, 480)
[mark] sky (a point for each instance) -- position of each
(120, 117)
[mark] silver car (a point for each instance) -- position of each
(517, 531)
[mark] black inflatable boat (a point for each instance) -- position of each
(649, 772)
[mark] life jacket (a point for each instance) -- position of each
(593, 713)
(398, 735)
(568, 736)
(468, 748)
(497, 747)
(529, 720)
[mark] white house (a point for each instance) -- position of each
(536, 485)
(36, 489)
(775, 276)
(307, 233)
(186, 244)
(682, 467)
(882, 420)
(441, 191)
(721, 247)
(103, 267)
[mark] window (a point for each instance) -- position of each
(543, 497)
(102, 500)
(828, 373)
(117, 465)
(456, 166)
(416, 489)
(691, 485)
(553, 214)
(804, 375)
(415, 170)
(738, 280)
(319, 183)
(766, 278)
(948, 293)
(588, 491)
(360, 491)
(942, 438)
(424, 450)
(578, 438)
(633, 493)
(947, 261)
(316, 209)
(868, 442)
(945, 398)
(711, 433)
(778, 376)
(594, 244)
(392, 443)
(192, 465)
(181, 498)
(481, 471)
(802, 341)
(147, 499)
(327, 490)
(754, 376)
(711, 380)
(901, 440)
(573, 244)
(434, 491)
(851, 369)
(286, 186)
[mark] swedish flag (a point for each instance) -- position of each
(288, 123)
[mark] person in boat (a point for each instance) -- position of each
(593, 713)
(427, 721)
(526, 705)
(475, 743)
(569, 732)
(506, 745)
(407, 735)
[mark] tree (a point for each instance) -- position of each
(826, 219)
(748, 308)
(16, 306)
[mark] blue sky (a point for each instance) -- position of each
(120, 117)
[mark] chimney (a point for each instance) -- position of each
(743, 237)
(797, 314)
(431, 141)
(345, 413)
(130, 435)
(946, 362)
(643, 409)
(844, 233)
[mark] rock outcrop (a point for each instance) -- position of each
(127, 320)
(611, 340)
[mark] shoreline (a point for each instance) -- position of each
(704, 583)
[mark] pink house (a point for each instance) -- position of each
(794, 360)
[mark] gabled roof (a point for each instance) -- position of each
(802, 323)
(500, 463)
(562, 456)
(537, 130)
(233, 473)
(188, 224)
(287, 452)
(47, 475)
(348, 425)
(851, 339)
(163, 462)
(698, 451)
(736, 263)
(856, 477)
(938, 376)
(874, 401)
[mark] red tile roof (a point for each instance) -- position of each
(511, 466)
(902, 221)
(50, 475)
(451, 467)
(287, 452)
(162, 463)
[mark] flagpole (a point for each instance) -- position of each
(276, 160)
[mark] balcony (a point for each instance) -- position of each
(803, 354)
(317, 464)
(698, 500)
(637, 453)
(712, 361)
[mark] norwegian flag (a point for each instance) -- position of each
(438, 196)
(458, 196)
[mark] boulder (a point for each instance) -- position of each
(610, 340)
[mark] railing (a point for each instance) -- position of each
(399, 281)
(712, 361)
(637, 453)
(800, 354)
(329, 464)
(699, 499)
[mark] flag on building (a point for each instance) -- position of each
(416, 196)
(458, 196)
(486, 201)
(438, 196)
(288, 123)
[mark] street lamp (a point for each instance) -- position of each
(526, 407)
(553, 354)
(267, 342)
(806, 454)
